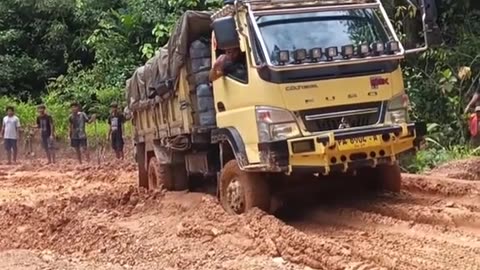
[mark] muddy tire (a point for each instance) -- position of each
(166, 176)
(140, 156)
(159, 176)
(383, 177)
(390, 177)
(241, 191)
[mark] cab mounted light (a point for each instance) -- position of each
(393, 47)
(299, 55)
(363, 50)
(315, 54)
(283, 57)
(378, 48)
(331, 52)
(347, 51)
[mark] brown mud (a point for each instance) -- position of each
(70, 216)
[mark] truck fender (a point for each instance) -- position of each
(231, 136)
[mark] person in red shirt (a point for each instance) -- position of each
(474, 127)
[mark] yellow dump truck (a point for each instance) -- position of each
(322, 94)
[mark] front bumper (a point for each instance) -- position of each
(342, 150)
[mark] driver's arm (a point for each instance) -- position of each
(217, 70)
(215, 74)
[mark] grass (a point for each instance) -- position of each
(434, 156)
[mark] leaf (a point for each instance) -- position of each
(447, 73)
(432, 126)
(428, 139)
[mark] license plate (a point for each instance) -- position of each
(358, 143)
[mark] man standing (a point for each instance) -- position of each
(115, 132)
(78, 135)
(47, 129)
(10, 132)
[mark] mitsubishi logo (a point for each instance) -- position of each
(344, 124)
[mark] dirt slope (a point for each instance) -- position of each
(468, 169)
(93, 217)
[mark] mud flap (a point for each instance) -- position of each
(176, 163)
(163, 155)
(142, 165)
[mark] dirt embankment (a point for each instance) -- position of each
(468, 169)
(94, 217)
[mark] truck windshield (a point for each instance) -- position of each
(320, 30)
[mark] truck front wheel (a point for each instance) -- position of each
(384, 177)
(390, 177)
(240, 191)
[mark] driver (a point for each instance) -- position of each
(230, 63)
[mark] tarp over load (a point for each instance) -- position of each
(160, 73)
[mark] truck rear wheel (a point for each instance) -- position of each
(159, 175)
(240, 191)
(140, 156)
(384, 177)
(167, 176)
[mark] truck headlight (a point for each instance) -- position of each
(316, 54)
(331, 52)
(275, 124)
(393, 47)
(397, 112)
(347, 51)
(398, 116)
(363, 50)
(283, 57)
(300, 55)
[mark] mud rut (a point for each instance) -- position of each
(93, 217)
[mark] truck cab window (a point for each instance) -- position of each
(234, 64)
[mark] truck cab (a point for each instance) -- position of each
(321, 94)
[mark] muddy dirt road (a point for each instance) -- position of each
(93, 217)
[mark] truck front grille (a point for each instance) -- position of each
(345, 116)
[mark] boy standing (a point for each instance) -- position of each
(47, 129)
(115, 132)
(10, 132)
(78, 135)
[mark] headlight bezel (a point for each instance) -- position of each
(270, 121)
(397, 109)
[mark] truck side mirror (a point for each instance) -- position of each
(431, 31)
(226, 34)
(431, 16)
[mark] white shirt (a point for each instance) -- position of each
(10, 125)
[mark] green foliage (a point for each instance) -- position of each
(437, 93)
(434, 156)
(123, 38)
(59, 51)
